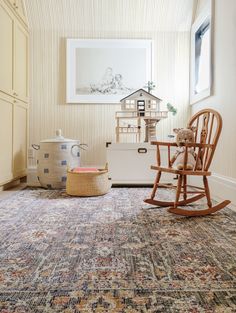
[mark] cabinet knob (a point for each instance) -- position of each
(15, 94)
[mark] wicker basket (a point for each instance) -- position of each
(88, 184)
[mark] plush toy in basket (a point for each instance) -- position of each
(185, 136)
(87, 182)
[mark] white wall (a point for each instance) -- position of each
(223, 98)
(51, 22)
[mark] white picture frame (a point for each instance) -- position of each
(106, 70)
(204, 18)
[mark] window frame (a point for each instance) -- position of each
(200, 21)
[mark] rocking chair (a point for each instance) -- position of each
(208, 124)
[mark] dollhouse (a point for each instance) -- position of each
(137, 107)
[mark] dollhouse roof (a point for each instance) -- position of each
(143, 91)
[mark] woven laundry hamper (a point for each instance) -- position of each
(53, 158)
(88, 184)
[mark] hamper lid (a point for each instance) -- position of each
(59, 138)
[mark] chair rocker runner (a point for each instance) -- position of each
(208, 125)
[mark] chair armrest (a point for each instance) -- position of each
(197, 145)
(164, 143)
(174, 144)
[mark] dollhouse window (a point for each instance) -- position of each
(129, 104)
(154, 104)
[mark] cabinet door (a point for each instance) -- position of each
(6, 115)
(19, 139)
(6, 45)
(20, 67)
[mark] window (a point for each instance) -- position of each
(201, 76)
(202, 58)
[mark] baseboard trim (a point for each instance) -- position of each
(223, 187)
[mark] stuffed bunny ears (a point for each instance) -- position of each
(192, 128)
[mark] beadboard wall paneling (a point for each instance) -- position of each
(51, 22)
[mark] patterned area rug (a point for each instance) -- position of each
(113, 254)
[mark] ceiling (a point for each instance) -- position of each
(111, 15)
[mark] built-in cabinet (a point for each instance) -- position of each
(13, 91)
(13, 55)
(20, 61)
(6, 135)
(20, 117)
(6, 51)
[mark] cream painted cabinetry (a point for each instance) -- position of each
(20, 117)
(6, 51)
(6, 136)
(13, 54)
(20, 61)
(13, 91)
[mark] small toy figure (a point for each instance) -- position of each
(185, 136)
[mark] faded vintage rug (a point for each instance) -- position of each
(113, 254)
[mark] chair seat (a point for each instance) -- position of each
(181, 172)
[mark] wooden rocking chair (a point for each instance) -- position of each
(209, 124)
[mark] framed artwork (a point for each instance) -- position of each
(106, 70)
(201, 56)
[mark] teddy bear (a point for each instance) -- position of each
(185, 135)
